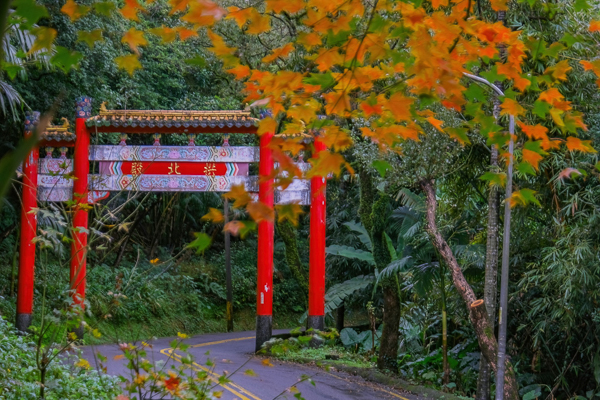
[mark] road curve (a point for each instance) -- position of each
(230, 351)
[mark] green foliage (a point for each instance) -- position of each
(19, 375)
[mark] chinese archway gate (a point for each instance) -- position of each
(160, 168)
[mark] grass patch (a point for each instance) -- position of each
(327, 353)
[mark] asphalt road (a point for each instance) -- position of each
(230, 351)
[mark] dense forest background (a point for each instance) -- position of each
(555, 245)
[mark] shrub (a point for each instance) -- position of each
(19, 376)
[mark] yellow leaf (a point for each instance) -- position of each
(134, 38)
(44, 37)
(182, 335)
(74, 10)
(214, 215)
(267, 125)
(82, 363)
(220, 48)
(129, 63)
(559, 70)
(239, 195)
(155, 261)
(267, 363)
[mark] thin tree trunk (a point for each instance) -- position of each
(478, 314)
(446, 378)
(491, 258)
(388, 345)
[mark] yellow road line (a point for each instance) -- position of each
(213, 376)
(222, 341)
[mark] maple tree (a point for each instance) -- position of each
(384, 66)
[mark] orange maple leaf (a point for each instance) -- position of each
(594, 26)
(499, 5)
(326, 163)
(439, 3)
(220, 48)
(74, 10)
(436, 123)
(185, 33)
(369, 109)
(130, 10)
(240, 72)
(551, 96)
(259, 23)
(309, 39)
(134, 38)
(511, 107)
(337, 103)
(283, 51)
(203, 13)
(336, 138)
(289, 6)
(259, 211)
(532, 158)
(400, 107)
(575, 144)
(327, 58)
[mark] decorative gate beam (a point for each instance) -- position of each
(28, 231)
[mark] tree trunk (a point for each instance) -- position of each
(491, 275)
(388, 345)
(491, 257)
(477, 311)
(446, 378)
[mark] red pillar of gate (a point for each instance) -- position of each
(28, 231)
(264, 292)
(316, 275)
(81, 169)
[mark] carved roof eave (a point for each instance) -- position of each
(58, 134)
(172, 119)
